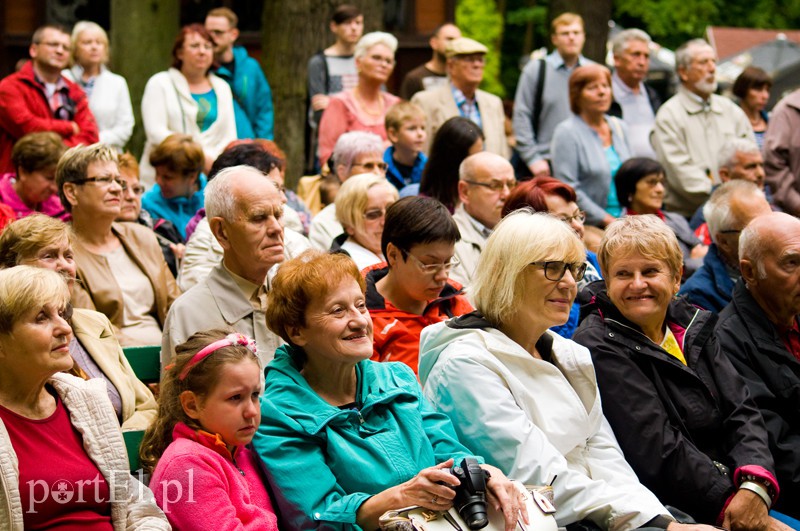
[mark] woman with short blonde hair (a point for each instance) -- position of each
(361, 205)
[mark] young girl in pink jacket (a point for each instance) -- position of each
(204, 476)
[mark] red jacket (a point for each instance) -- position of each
(24, 109)
(396, 331)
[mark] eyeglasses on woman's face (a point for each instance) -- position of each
(433, 269)
(555, 270)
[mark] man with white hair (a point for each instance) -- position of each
(244, 210)
(691, 128)
(484, 183)
(731, 207)
(759, 333)
(739, 158)
(634, 101)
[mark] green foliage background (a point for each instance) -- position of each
(513, 28)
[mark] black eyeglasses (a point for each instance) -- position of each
(731, 231)
(579, 216)
(555, 270)
(370, 166)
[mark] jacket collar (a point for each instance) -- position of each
(375, 300)
(476, 321)
(753, 317)
(299, 401)
(212, 441)
(229, 298)
(722, 280)
(691, 103)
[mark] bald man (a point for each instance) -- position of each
(759, 332)
(484, 182)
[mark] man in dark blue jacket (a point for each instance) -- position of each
(731, 207)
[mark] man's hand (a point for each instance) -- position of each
(540, 168)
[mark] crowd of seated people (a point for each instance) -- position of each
(328, 354)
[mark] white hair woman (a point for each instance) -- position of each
(57, 429)
(364, 107)
(525, 397)
(109, 98)
(361, 209)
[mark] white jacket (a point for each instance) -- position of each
(168, 108)
(110, 104)
(90, 411)
(535, 420)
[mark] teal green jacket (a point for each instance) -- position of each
(323, 462)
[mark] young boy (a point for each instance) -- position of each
(405, 127)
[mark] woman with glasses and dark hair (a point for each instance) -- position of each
(752, 90)
(678, 408)
(121, 270)
(361, 205)
(546, 194)
(525, 397)
(412, 289)
(640, 184)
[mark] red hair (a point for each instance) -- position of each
(533, 194)
(179, 40)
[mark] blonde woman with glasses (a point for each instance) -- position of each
(121, 270)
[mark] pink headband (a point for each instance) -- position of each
(227, 341)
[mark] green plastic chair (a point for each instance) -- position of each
(145, 361)
(133, 440)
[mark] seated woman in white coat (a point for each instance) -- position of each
(525, 397)
(188, 99)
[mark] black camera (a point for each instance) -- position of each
(470, 500)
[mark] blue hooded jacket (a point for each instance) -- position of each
(252, 96)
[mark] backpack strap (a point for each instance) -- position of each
(537, 97)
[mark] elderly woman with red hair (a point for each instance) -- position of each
(187, 98)
(589, 147)
(549, 195)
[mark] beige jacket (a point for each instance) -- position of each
(468, 249)
(94, 332)
(439, 106)
(97, 289)
(216, 302)
(133, 506)
(687, 138)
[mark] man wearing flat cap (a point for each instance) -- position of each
(461, 97)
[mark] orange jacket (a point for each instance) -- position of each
(396, 331)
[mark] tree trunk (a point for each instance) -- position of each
(142, 33)
(292, 32)
(596, 15)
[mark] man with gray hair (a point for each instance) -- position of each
(759, 333)
(244, 210)
(731, 207)
(739, 158)
(634, 101)
(691, 128)
(484, 183)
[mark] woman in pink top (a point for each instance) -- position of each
(205, 477)
(364, 107)
(33, 187)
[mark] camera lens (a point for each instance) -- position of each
(474, 514)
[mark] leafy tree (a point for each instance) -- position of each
(481, 20)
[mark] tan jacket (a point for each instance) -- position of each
(94, 332)
(782, 153)
(90, 412)
(439, 106)
(468, 248)
(216, 302)
(97, 289)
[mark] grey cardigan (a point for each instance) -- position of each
(580, 161)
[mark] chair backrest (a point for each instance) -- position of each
(133, 440)
(145, 361)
